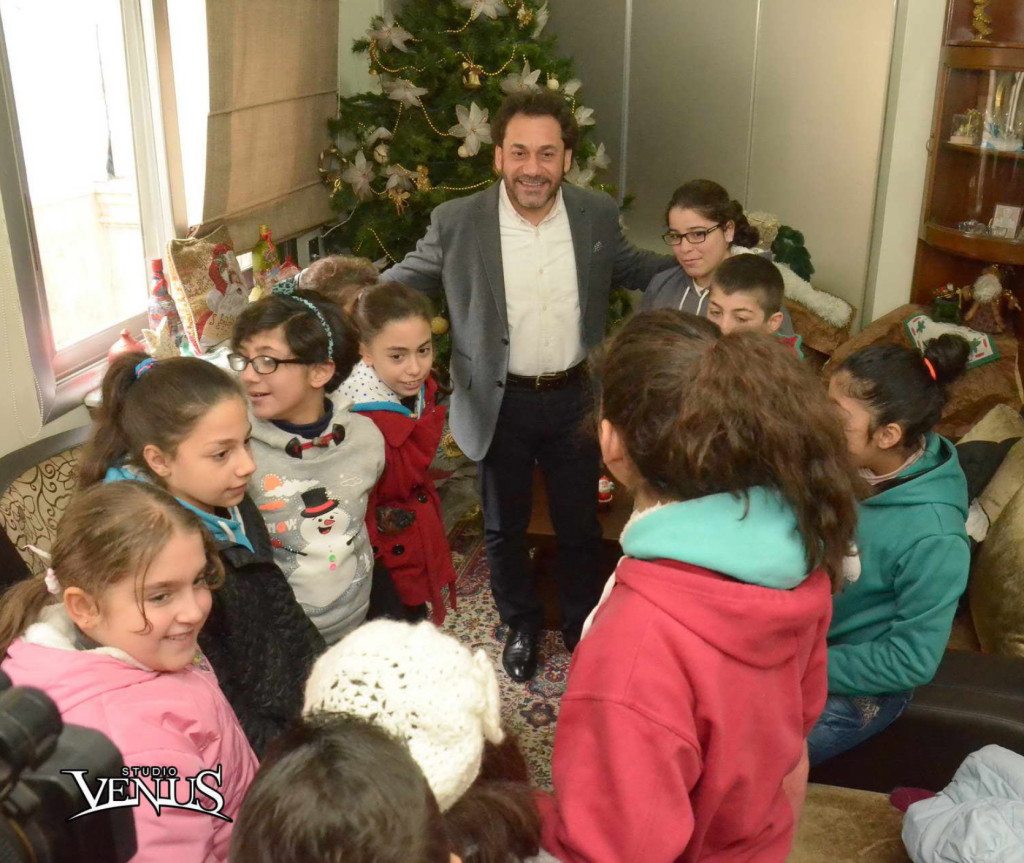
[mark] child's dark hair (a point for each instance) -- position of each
(338, 789)
(713, 202)
(382, 304)
(496, 820)
(303, 331)
(900, 386)
(751, 274)
(158, 404)
(108, 532)
(701, 413)
(340, 279)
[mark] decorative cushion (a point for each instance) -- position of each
(922, 329)
(996, 589)
(207, 287)
(33, 504)
(985, 446)
(843, 825)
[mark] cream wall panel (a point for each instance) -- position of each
(592, 33)
(819, 106)
(691, 73)
(904, 156)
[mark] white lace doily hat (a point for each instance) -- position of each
(423, 687)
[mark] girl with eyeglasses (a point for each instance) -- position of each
(704, 227)
(317, 461)
(181, 424)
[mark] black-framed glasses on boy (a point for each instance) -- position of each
(695, 237)
(260, 365)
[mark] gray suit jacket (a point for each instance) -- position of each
(461, 254)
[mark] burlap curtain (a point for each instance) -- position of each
(273, 85)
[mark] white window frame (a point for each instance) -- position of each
(64, 377)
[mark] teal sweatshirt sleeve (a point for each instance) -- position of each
(930, 577)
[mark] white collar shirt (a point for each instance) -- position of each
(542, 297)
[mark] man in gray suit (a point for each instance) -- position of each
(527, 265)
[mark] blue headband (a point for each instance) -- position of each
(144, 367)
(287, 288)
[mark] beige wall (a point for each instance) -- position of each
(819, 106)
(904, 155)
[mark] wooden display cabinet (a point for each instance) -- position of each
(969, 174)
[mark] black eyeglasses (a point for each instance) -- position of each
(695, 238)
(260, 365)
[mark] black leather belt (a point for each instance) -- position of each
(549, 380)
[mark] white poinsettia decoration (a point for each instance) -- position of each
(599, 161)
(378, 134)
(585, 116)
(572, 87)
(540, 21)
(472, 126)
(517, 82)
(391, 35)
(359, 175)
(491, 8)
(580, 176)
(404, 91)
(400, 178)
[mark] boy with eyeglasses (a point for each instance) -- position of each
(316, 460)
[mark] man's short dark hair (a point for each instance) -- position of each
(751, 274)
(336, 788)
(536, 103)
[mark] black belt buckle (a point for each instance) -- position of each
(549, 380)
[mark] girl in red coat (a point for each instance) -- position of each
(393, 385)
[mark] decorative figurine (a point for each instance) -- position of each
(987, 295)
(605, 491)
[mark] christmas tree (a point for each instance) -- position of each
(443, 66)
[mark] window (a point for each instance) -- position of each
(81, 179)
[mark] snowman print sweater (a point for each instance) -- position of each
(312, 493)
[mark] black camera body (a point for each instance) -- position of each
(37, 799)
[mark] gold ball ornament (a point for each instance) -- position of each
(380, 153)
(439, 325)
(553, 83)
(464, 152)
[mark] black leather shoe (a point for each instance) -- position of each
(519, 658)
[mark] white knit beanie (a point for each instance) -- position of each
(420, 685)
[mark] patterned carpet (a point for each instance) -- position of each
(528, 710)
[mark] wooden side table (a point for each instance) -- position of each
(540, 536)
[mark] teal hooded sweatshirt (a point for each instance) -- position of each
(890, 627)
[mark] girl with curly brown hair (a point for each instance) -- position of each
(704, 665)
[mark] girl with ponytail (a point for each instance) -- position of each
(890, 627)
(110, 634)
(182, 424)
(704, 226)
(703, 667)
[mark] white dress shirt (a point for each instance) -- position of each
(542, 296)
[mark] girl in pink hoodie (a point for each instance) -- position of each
(681, 734)
(110, 634)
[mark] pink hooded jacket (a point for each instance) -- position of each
(178, 719)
